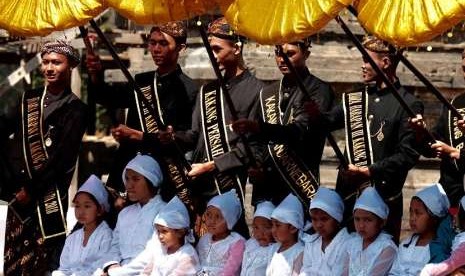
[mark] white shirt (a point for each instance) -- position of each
(410, 258)
(77, 259)
(213, 255)
(328, 262)
(183, 262)
(255, 259)
(133, 230)
(374, 260)
(288, 262)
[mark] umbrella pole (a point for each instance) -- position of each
(420, 76)
(224, 90)
(132, 83)
(300, 83)
(389, 84)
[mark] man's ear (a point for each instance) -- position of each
(387, 63)
(238, 48)
(181, 47)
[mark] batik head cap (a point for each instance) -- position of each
(290, 211)
(329, 201)
(377, 45)
(264, 209)
(173, 215)
(229, 205)
(372, 202)
(146, 166)
(64, 48)
(221, 28)
(175, 29)
(435, 199)
(95, 187)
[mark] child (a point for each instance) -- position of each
(427, 207)
(255, 260)
(175, 256)
(142, 177)
(457, 258)
(285, 256)
(85, 248)
(324, 253)
(370, 251)
(220, 250)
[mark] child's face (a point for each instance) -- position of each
(262, 231)
(216, 224)
(171, 239)
(367, 224)
(86, 211)
(324, 224)
(420, 220)
(137, 187)
(283, 232)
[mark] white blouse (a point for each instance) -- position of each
(328, 262)
(410, 258)
(183, 262)
(288, 262)
(77, 259)
(214, 255)
(133, 230)
(255, 259)
(374, 260)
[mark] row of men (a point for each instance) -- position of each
(286, 130)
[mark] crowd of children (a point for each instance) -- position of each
(155, 238)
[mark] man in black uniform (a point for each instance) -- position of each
(169, 91)
(219, 160)
(40, 140)
(293, 154)
(380, 144)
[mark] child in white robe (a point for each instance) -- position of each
(286, 255)
(255, 259)
(84, 249)
(134, 227)
(221, 250)
(457, 257)
(326, 249)
(174, 255)
(427, 207)
(370, 251)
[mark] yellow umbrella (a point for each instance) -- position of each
(271, 22)
(160, 11)
(408, 22)
(41, 17)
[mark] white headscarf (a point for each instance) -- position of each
(229, 205)
(264, 209)
(173, 215)
(435, 199)
(94, 186)
(371, 201)
(290, 211)
(462, 202)
(146, 166)
(329, 201)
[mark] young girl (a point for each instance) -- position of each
(324, 253)
(220, 250)
(457, 258)
(426, 209)
(174, 255)
(285, 256)
(255, 259)
(85, 248)
(134, 227)
(370, 251)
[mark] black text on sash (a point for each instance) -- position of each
(49, 208)
(215, 136)
(456, 136)
(293, 170)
